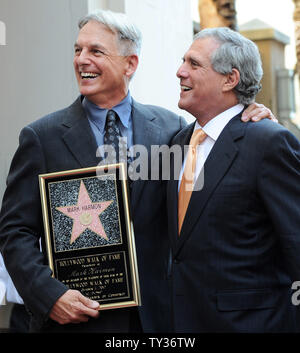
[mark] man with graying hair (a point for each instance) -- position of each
(234, 224)
(105, 59)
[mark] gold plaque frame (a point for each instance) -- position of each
(89, 238)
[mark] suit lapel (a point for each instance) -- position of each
(79, 137)
(216, 166)
(146, 132)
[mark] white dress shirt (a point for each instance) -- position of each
(8, 292)
(213, 130)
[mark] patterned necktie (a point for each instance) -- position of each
(112, 132)
(187, 180)
(114, 138)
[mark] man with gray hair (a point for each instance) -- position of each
(105, 59)
(234, 224)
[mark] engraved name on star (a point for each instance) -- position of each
(85, 214)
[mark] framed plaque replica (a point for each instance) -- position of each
(89, 235)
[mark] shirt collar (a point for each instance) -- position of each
(98, 115)
(215, 126)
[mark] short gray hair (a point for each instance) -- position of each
(128, 35)
(240, 53)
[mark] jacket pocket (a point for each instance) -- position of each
(249, 299)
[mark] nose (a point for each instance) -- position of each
(182, 72)
(82, 58)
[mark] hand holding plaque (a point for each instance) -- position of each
(73, 307)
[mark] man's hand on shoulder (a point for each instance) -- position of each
(73, 307)
(257, 112)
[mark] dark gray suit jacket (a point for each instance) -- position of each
(239, 249)
(62, 141)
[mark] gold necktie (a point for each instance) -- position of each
(187, 180)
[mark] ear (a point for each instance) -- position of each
(132, 64)
(231, 80)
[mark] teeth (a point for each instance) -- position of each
(185, 88)
(88, 74)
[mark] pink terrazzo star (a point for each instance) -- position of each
(85, 214)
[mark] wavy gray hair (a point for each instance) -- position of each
(129, 36)
(240, 53)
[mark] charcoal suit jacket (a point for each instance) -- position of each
(63, 141)
(232, 267)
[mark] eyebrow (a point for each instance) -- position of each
(98, 46)
(190, 57)
(193, 58)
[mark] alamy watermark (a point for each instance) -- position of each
(161, 162)
(2, 33)
(296, 294)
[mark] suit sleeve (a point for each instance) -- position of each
(21, 228)
(279, 185)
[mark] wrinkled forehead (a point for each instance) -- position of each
(94, 33)
(203, 47)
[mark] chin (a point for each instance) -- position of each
(181, 105)
(86, 91)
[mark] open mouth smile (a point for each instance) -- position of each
(185, 88)
(88, 75)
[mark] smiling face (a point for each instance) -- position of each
(202, 91)
(102, 73)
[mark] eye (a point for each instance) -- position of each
(194, 63)
(77, 51)
(98, 52)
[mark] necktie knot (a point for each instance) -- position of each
(111, 116)
(197, 138)
(111, 119)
